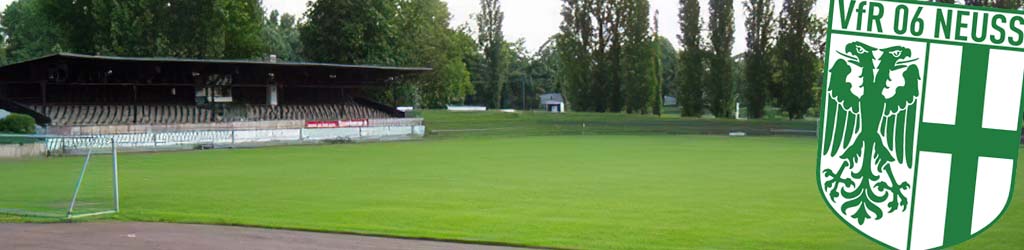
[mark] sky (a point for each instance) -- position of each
(537, 20)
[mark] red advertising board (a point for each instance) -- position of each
(322, 124)
(338, 124)
(354, 123)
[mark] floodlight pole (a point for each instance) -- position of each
(117, 193)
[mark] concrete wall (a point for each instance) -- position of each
(9, 151)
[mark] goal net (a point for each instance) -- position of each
(72, 186)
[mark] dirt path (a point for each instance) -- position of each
(131, 235)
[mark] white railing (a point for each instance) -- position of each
(186, 139)
(222, 126)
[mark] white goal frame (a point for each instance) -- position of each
(70, 215)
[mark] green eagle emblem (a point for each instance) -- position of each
(873, 131)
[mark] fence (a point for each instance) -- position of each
(155, 141)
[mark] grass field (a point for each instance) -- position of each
(614, 185)
(443, 124)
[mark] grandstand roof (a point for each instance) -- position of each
(220, 61)
(296, 71)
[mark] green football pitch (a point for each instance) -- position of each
(579, 191)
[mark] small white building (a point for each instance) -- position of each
(553, 102)
(554, 107)
(670, 101)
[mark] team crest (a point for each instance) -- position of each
(919, 133)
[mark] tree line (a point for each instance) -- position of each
(607, 56)
(779, 67)
(613, 61)
(235, 29)
(197, 29)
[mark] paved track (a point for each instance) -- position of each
(132, 235)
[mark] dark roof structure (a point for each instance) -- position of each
(76, 79)
(133, 70)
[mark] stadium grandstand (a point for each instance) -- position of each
(73, 95)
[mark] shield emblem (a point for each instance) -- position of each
(918, 136)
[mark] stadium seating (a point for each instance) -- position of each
(77, 115)
(321, 112)
(93, 115)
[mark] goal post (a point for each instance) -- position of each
(69, 187)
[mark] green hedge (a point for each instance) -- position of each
(18, 124)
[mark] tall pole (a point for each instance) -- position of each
(737, 109)
(522, 84)
(657, 68)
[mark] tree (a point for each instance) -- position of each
(606, 92)
(608, 57)
(393, 32)
(28, 32)
(195, 29)
(1003, 4)
(719, 81)
(817, 38)
(518, 74)
(190, 29)
(796, 59)
(350, 31)
(668, 59)
(242, 25)
(757, 60)
(638, 68)
(125, 28)
(281, 34)
(574, 43)
(492, 41)
(690, 82)
(430, 43)
(1008, 4)
(545, 69)
(73, 21)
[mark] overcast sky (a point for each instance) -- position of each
(537, 20)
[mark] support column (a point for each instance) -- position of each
(134, 104)
(42, 94)
(272, 94)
